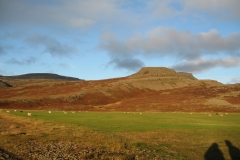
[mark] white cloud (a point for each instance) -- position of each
(163, 8)
(182, 45)
(71, 13)
(111, 15)
(227, 10)
(127, 63)
(235, 80)
(81, 22)
(51, 45)
(27, 61)
(222, 9)
(200, 65)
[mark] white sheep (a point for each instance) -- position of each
(29, 114)
(209, 115)
(8, 111)
(49, 112)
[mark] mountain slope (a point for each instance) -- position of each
(151, 89)
(41, 76)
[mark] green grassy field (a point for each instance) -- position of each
(170, 135)
(119, 122)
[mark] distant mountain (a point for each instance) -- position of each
(161, 72)
(151, 89)
(43, 76)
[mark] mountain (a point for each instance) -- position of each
(42, 76)
(151, 89)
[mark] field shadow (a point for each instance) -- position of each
(234, 152)
(214, 153)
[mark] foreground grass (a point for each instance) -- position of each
(169, 135)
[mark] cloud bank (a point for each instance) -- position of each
(118, 20)
(171, 42)
(235, 80)
(180, 45)
(201, 65)
(127, 63)
(222, 9)
(27, 61)
(51, 45)
(71, 13)
(82, 13)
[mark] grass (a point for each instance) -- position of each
(120, 122)
(169, 135)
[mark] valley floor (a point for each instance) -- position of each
(35, 138)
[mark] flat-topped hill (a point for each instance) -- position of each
(147, 72)
(160, 72)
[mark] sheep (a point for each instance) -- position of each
(73, 112)
(29, 114)
(49, 112)
(64, 112)
(209, 115)
(140, 113)
(15, 110)
(8, 111)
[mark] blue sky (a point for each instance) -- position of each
(100, 39)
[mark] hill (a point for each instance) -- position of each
(41, 76)
(152, 89)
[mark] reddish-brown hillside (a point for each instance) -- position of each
(151, 89)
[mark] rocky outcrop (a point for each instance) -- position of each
(148, 72)
(4, 84)
(186, 75)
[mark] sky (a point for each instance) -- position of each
(101, 39)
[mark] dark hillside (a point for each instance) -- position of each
(43, 76)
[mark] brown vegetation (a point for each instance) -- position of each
(150, 89)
